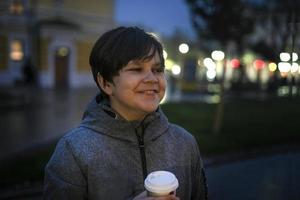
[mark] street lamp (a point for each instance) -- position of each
(211, 68)
(294, 57)
(176, 69)
(284, 56)
(218, 55)
(288, 63)
(284, 68)
(211, 75)
(209, 64)
(183, 48)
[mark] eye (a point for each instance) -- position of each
(158, 70)
(136, 69)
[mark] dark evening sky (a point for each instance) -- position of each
(161, 16)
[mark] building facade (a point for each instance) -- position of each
(50, 40)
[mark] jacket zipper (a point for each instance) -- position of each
(142, 152)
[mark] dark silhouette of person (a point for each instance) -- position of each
(28, 72)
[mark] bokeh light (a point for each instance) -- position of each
(218, 55)
(272, 67)
(284, 56)
(259, 64)
(183, 48)
(176, 69)
(235, 63)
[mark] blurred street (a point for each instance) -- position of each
(32, 117)
(39, 117)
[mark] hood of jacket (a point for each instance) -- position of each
(99, 117)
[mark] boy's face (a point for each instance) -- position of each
(138, 89)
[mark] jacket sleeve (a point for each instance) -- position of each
(63, 177)
(199, 190)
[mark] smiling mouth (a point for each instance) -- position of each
(149, 91)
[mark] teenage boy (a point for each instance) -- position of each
(124, 134)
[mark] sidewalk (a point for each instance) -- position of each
(34, 116)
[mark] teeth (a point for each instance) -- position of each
(149, 92)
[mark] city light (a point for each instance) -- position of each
(248, 58)
(284, 67)
(235, 63)
(168, 64)
(176, 69)
(295, 57)
(211, 74)
(259, 64)
(284, 57)
(183, 48)
(218, 55)
(62, 51)
(294, 67)
(165, 54)
(272, 67)
(209, 64)
(16, 8)
(16, 50)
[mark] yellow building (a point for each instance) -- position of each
(56, 36)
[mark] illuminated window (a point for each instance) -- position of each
(16, 7)
(16, 50)
(62, 52)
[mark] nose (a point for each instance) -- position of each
(150, 78)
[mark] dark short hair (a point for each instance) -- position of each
(115, 48)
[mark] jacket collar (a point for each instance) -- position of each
(100, 117)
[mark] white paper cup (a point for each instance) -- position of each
(160, 183)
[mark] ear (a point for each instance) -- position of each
(105, 85)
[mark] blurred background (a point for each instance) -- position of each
(233, 82)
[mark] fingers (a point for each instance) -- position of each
(143, 196)
(169, 197)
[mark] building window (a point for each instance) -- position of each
(16, 7)
(62, 52)
(16, 50)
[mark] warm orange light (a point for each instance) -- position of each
(16, 8)
(283, 74)
(16, 50)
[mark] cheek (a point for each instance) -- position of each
(163, 83)
(127, 87)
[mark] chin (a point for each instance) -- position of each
(150, 109)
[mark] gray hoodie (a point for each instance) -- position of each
(108, 158)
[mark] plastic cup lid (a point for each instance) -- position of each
(161, 182)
